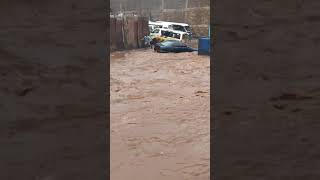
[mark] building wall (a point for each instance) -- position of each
(194, 12)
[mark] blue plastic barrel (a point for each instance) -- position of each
(204, 46)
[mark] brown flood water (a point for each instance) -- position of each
(160, 116)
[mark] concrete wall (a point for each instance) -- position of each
(194, 12)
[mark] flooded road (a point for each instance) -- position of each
(160, 116)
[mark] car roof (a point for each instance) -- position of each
(182, 24)
(170, 30)
(175, 23)
(154, 23)
(180, 32)
(161, 29)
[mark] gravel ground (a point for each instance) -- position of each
(160, 109)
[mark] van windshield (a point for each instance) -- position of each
(178, 28)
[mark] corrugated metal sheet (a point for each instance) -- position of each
(127, 32)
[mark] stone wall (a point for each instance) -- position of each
(194, 12)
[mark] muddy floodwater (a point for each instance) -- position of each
(160, 116)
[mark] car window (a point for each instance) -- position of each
(182, 44)
(172, 43)
(167, 43)
(177, 44)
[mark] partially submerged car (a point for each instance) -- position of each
(158, 39)
(172, 46)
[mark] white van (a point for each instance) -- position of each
(183, 27)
